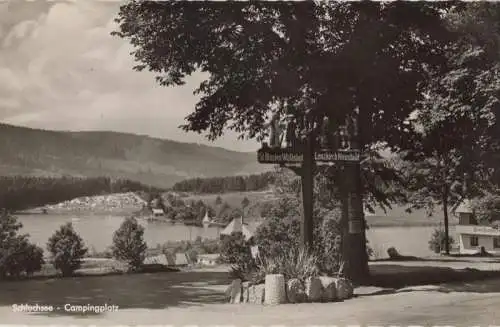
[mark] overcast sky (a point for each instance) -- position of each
(60, 69)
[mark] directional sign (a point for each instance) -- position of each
(290, 156)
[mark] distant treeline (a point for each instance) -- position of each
(226, 184)
(25, 192)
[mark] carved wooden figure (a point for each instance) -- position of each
(291, 134)
(276, 132)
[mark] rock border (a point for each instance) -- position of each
(313, 289)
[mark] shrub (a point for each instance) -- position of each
(32, 258)
(67, 249)
(17, 254)
(192, 255)
(235, 250)
(328, 242)
(22, 257)
(393, 253)
(129, 244)
(277, 233)
(292, 263)
(438, 239)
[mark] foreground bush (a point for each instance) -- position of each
(17, 254)
(67, 249)
(438, 241)
(235, 250)
(129, 244)
(279, 233)
(293, 263)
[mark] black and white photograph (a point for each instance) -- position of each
(249, 163)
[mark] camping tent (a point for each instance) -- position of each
(236, 226)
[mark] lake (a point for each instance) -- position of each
(97, 232)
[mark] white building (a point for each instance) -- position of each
(236, 226)
(208, 259)
(471, 236)
(158, 212)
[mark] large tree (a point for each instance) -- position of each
(305, 59)
(457, 119)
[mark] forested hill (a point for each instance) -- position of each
(255, 182)
(157, 162)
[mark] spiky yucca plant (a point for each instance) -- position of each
(294, 263)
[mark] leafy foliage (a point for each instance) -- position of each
(235, 250)
(292, 263)
(245, 202)
(188, 212)
(277, 233)
(199, 246)
(17, 254)
(438, 241)
(256, 182)
(129, 244)
(67, 249)
(487, 208)
(260, 56)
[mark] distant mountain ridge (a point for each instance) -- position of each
(158, 162)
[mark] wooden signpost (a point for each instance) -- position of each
(302, 157)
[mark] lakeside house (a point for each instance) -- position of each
(157, 212)
(208, 259)
(237, 226)
(473, 237)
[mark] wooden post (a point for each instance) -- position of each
(307, 180)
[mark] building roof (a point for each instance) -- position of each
(213, 256)
(465, 207)
(181, 259)
(237, 226)
(158, 211)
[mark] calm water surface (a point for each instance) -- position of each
(97, 232)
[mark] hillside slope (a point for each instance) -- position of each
(158, 162)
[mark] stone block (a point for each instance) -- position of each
(314, 289)
(275, 290)
(329, 288)
(345, 289)
(295, 291)
(256, 294)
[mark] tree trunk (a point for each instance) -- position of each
(307, 179)
(446, 227)
(445, 210)
(355, 255)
